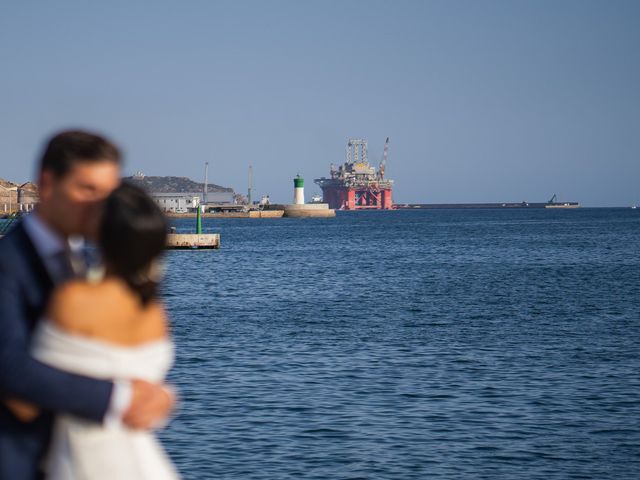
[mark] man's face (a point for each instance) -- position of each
(72, 204)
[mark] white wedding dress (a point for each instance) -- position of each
(84, 450)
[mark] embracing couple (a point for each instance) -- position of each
(83, 358)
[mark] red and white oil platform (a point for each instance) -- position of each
(356, 185)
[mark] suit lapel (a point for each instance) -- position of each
(40, 284)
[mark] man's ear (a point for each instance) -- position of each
(46, 181)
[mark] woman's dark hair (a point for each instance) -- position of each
(133, 233)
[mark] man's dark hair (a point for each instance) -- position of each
(65, 149)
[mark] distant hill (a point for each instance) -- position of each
(173, 184)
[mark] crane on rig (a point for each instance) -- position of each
(383, 162)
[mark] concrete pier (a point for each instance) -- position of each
(315, 210)
(189, 241)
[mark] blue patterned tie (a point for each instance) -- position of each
(63, 269)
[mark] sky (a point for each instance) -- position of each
(483, 101)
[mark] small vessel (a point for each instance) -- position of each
(633, 207)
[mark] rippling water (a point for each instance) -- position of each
(410, 345)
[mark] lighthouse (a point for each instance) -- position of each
(300, 209)
(298, 190)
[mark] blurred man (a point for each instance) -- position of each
(77, 172)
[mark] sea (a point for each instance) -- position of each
(413, 344)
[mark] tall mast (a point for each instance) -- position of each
(250, 189)
(206, 180)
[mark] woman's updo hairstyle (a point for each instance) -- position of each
(133, 233)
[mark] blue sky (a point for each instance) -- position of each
(483, 101)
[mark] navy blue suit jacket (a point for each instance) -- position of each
(25, 288)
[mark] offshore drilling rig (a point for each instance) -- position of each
(356, 185)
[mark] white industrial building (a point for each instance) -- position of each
(176, 202)
(184, 202)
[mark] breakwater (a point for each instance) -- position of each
(276, 213)
(440, 206)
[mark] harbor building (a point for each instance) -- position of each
(8, 197)
(28, 197)
(17, 198)
(176, 202)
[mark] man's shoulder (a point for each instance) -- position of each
(12, 236)
(14, 246)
